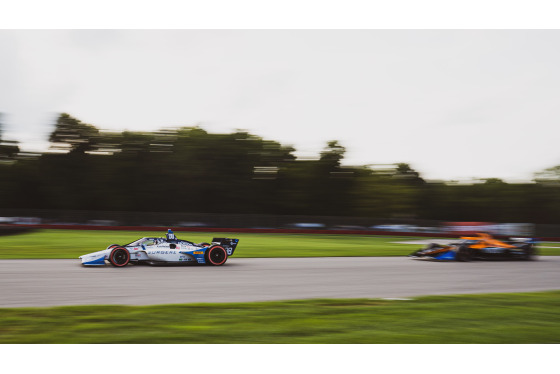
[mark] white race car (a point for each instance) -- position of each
(169, 250)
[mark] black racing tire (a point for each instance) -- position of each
(464, 253)
(216, 255)
(119, 256)
(528, 252)
(113, 246)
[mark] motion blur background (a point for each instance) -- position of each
(397, 130)
(187, 177)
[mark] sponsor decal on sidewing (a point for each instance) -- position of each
(161, 252)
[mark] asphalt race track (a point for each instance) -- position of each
(66, 282)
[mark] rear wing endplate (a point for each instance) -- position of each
(228, 244)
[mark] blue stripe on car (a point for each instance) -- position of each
(449, 255)
(98, 261)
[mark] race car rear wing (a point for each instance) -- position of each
(228, 244)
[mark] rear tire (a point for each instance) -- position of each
(119, 257)
(216, 255)
(528, 252)
(464, 253)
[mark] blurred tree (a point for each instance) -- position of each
(332, 154)
(546, 195)
(548, 176)
(497, 181)
(321, 186)
(379, 195)
(405, 173)
(73, 135)
(8, 148)
(191, 170)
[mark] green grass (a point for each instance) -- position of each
(74, 243)
(492, 318)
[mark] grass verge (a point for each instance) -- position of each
(74, 243)
(490, 318)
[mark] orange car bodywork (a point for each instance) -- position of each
(485, 240)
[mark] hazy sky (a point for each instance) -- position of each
(452, 103)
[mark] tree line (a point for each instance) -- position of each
(190, 170)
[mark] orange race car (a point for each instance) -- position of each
(480, 247)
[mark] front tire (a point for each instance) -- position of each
(119, 257)
(216, 256)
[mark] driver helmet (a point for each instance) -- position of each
(170, 235)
